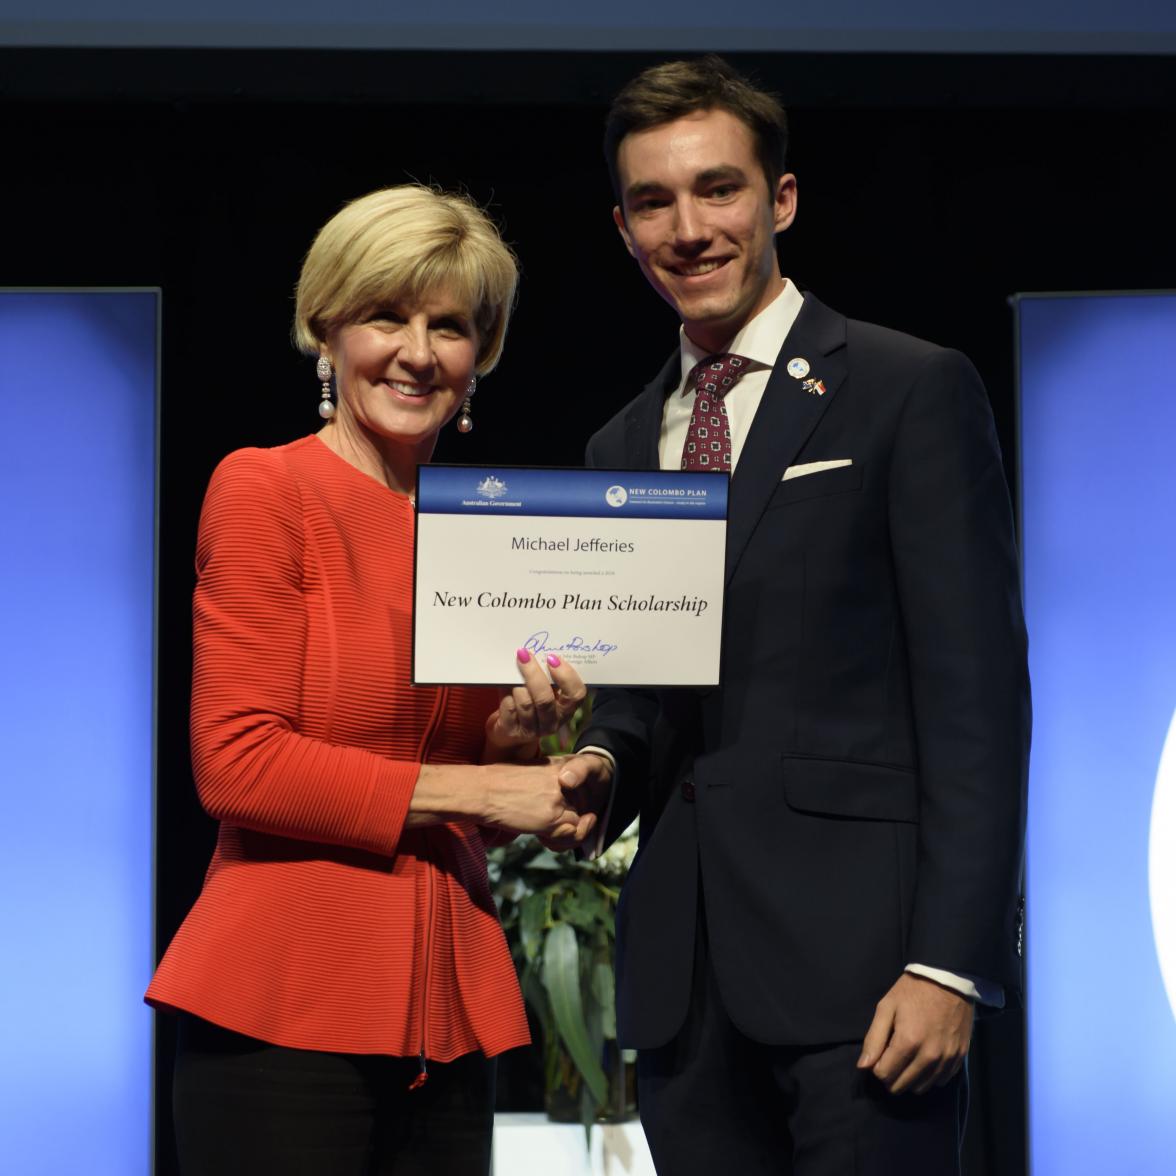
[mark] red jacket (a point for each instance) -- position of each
(324, 923)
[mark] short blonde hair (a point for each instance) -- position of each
(405, 244)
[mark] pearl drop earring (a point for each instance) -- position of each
(323, 370)
(465, 420)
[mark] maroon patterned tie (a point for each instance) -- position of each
(708, 440)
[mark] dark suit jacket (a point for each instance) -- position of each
(852, 798)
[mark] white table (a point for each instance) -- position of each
(532, 1145)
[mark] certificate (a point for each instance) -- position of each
(619, 573)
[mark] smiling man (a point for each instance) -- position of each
(700, 216)
(831, 842)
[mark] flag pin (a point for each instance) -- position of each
(798, 367)
(814, 387)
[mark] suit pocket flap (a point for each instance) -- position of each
(841, 788)
(817, 485)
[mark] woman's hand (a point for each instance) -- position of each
(539, 707)
(533, 798)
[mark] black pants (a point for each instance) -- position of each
(714, 1101)
(244, 1107)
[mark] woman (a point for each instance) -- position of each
(342, 980)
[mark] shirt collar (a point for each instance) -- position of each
(759, 340)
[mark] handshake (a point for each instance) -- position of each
(560, 799)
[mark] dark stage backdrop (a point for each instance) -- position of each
(930, 190)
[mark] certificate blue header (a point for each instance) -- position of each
(574, 493)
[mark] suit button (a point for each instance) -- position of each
(688, 790)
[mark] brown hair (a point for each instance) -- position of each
(675, 89)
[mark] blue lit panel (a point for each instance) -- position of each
(1098, 415)
(77, 484)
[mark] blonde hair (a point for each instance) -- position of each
(405, 244)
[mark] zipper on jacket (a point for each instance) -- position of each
(423, 1072)
(427, 950)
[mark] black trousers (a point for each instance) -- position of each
(244, 1107)
(714, 1101)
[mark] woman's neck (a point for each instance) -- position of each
(390, 462)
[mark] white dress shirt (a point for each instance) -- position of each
(760, 341)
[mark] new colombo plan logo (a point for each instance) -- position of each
(1162, 864)
(616, 496)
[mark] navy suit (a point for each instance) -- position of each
(852, 797)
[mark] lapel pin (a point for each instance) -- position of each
(814, 387)
(798, 367)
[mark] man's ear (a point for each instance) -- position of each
(622, 228)
(784, 202)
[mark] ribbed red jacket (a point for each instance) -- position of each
(323, 922)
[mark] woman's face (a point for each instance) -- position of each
(403, 371)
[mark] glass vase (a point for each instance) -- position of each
(565, 1093)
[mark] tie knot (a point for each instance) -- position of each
(716, 375)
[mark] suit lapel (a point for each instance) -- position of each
(643, 419)
(785, 419)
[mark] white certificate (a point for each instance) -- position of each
(619, 573)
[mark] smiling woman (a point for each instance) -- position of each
(342, 982)
(401, 376)
(406, 294)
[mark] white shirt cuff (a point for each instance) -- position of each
(594, 846)
(973, 987)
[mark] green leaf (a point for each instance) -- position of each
(581, 903)
(532, 915)
(588, 1107)
(536, 996)
(594, 1020)
(604, 990)
(561, 978)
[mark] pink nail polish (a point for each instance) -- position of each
(552, 660)
(524, 655)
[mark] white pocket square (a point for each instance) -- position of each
(815, 467)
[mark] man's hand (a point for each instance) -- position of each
(586, 780)
(919, 1036)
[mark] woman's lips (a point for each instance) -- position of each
(413, 391)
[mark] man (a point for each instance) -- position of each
(831, 841)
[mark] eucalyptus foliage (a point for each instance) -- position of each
(558, 912)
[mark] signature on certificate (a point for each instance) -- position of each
(541, 643)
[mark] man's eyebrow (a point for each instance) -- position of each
(710, 175)
(642, 188)
(727, 171)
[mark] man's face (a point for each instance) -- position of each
(697, 215)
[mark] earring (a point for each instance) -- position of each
(465, 419)
(322, 369)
